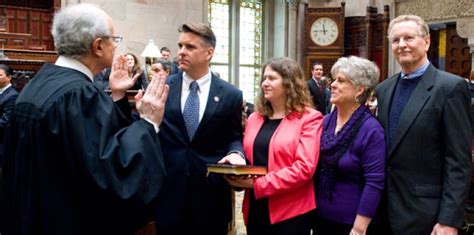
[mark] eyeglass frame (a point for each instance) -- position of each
(406, 38)
(116, 39)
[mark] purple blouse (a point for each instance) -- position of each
(360, 175)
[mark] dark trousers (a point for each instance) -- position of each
(328, 227)
(187, 229)
(299, 225)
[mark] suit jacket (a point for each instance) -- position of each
(429, 162)
(292, 159)
(7, 103)
(319, 98)
(188, 192)
(101, 79)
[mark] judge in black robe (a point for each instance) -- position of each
(74, 163)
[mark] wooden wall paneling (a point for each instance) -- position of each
(10, 14)
(21, 18)
(458, 58)
(46, 22)
(378, 47)
(14, 40)
(365, 37)
(35, 28)
(355, 36)
(371, 13)
(3, 19)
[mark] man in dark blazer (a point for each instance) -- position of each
(425, 114)
(191, 202)
(317, 89)
(8, 96)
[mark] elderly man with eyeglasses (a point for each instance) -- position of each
(425, 114)
(74, 163)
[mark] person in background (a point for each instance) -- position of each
(160, 66)
(8, 96)
(73, 163)
(202, 123)
(175, 66)
(326, 82)
(317, 89)
(101, 79)
(282, 134)
(372, 103)
(136, 72)
(351, 169)
(425, 114)
(165, 53)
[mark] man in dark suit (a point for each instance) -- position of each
(317, 89)
(101, 79)
(425, 114)
(191, 202)
(8, 96)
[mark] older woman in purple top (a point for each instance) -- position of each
(350, 174)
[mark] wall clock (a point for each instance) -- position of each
(324, 36)
(324, 31)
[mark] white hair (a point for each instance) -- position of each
(359, 71)
(77, 26)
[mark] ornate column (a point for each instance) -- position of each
(280, 44)
(292, 27)
(300, 36)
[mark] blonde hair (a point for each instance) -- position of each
(424, 28)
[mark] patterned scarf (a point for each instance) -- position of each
(333, 147)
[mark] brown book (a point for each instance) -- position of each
(228, 169)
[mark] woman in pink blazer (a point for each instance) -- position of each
(284, 135)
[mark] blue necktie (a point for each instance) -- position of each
(191, 110)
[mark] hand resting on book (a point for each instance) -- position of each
(233, 159)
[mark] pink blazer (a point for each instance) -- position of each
(293, 156)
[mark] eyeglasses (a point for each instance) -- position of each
(406, 38)
(116, 39)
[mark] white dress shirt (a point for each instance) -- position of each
(203, 92)
(5, 88)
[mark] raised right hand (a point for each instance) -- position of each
(151, 104)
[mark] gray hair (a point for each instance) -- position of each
(76, 27)
(360, 72)
(424, 28)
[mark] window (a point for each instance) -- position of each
(242, 68)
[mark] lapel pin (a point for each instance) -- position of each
(216, 98)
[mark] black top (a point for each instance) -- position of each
(74, 164)
(258, 210)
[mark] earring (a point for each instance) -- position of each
(357, 99)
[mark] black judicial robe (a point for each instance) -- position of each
(74, 164)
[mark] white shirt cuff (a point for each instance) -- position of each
(157, 129)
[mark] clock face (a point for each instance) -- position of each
(324, 31)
